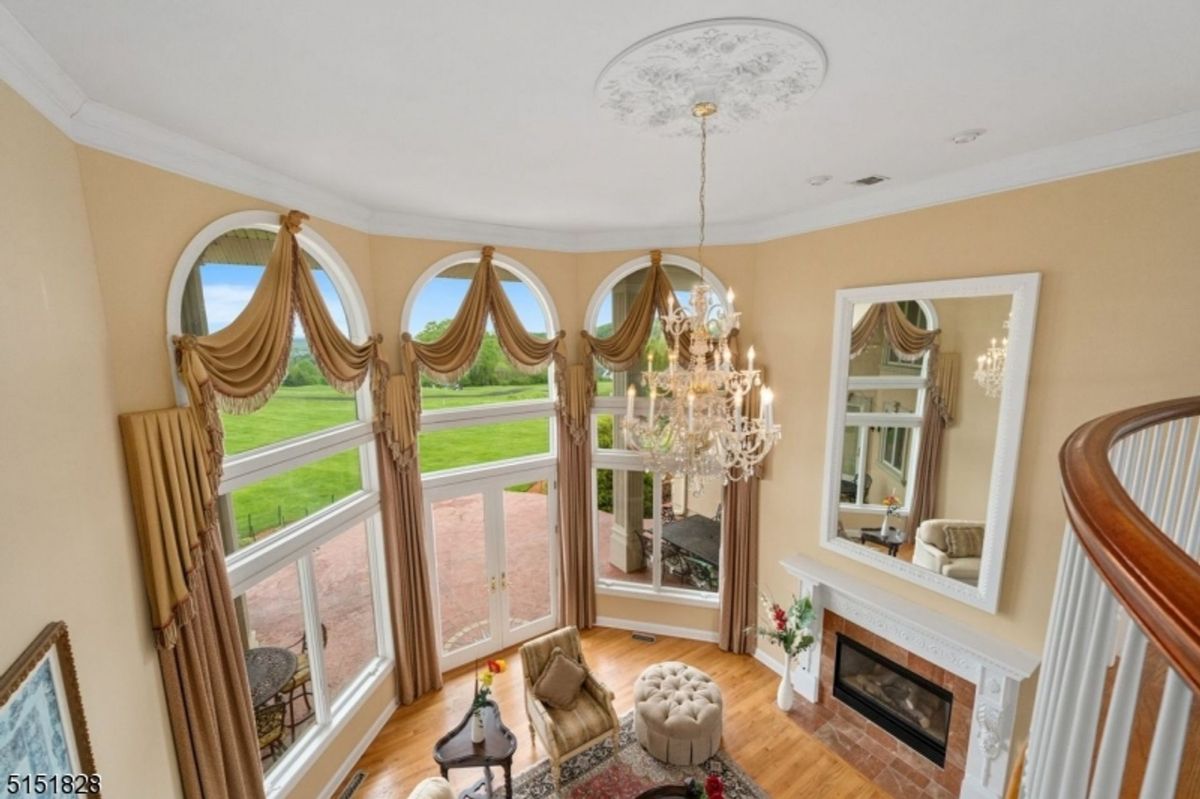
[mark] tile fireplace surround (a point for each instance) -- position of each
(982, 674)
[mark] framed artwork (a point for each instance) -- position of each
(44, 745)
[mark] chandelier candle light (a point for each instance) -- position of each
(703, 426)
(989, 371)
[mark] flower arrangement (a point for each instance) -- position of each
(789, 626)
(713, 788)
(891, 504)
(483, 682)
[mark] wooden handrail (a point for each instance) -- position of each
(1156, 581)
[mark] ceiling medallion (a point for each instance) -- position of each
(755, 69)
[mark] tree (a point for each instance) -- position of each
(303, 371)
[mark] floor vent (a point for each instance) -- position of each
(352, 786)
(648, 638)
(869, 180)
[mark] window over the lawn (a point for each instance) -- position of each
(884, 407)
(487, 459)
(299, 510)
(494, 411)
(654, 535)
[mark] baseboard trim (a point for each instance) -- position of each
(690, 633)
(770, 661)
(347, 766)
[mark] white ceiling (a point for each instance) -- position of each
(484, 111)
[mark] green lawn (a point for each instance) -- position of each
(297, 410)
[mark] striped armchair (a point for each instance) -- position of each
(566, 733)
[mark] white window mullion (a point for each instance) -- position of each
(657, 526)
(314, 638)
(377, 563)
(860, 491)
(248, 566)
(257, 465)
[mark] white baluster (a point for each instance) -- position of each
(1166, 752)
(1090, 685)
(1070, 566)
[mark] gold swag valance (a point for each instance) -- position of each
(239, 367)
(449, 357)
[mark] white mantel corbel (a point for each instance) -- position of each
(994, 667)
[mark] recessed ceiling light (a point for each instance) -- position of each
(819, 180)
(967, 136)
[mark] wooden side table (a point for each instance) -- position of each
(455, 749)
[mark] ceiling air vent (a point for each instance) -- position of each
(869, 180)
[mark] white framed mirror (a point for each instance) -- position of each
(926, 401)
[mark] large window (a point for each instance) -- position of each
(655, 535)
(487, 458)
(299, 511)
(884, 409)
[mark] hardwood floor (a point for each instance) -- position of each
(784, 759)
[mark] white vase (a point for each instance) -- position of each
(477, 727)
(786, 695)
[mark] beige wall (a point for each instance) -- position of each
(969, 443)
(1116, 327)
(66, 534)
(1116, 250)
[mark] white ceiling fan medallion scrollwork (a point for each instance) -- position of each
(754, 69)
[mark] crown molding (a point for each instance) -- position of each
(33, 74)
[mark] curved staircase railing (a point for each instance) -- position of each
(1128, 579)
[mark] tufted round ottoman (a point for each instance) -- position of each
(677, 713)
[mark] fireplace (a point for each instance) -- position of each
(905, 704)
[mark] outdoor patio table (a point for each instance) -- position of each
(697, 535)
(269, 668)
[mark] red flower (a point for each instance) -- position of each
(780, 618)
(714, 787)
(495, 666)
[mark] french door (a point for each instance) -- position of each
(494, 565)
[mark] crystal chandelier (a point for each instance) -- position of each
(699, 422)
(989, 369)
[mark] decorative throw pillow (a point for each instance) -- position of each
(559, 684)
(964, 541)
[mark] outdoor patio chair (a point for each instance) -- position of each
(268, 722)
(300, 685)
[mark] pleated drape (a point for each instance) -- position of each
(191, 609)
(940, 399)
(418, 669)
(577, 569)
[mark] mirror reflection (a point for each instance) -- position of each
(920, 431)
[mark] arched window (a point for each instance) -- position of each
(653, 536)
(487, 457)
(299, 512)
(879, 459)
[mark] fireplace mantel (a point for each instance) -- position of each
(994, 667)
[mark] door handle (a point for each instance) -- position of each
(492, 585)
(504, 581)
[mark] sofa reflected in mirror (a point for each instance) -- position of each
(950, 547)
(920, 458)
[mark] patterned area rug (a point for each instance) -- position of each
(595, 774)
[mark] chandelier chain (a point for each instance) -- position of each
(703, 187)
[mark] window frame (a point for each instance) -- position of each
(485, 477)
(866, 421)
(630, 460)
(297, 541)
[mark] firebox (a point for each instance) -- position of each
(905, 704)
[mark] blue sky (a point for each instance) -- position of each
(228, 288)
(441, 297)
